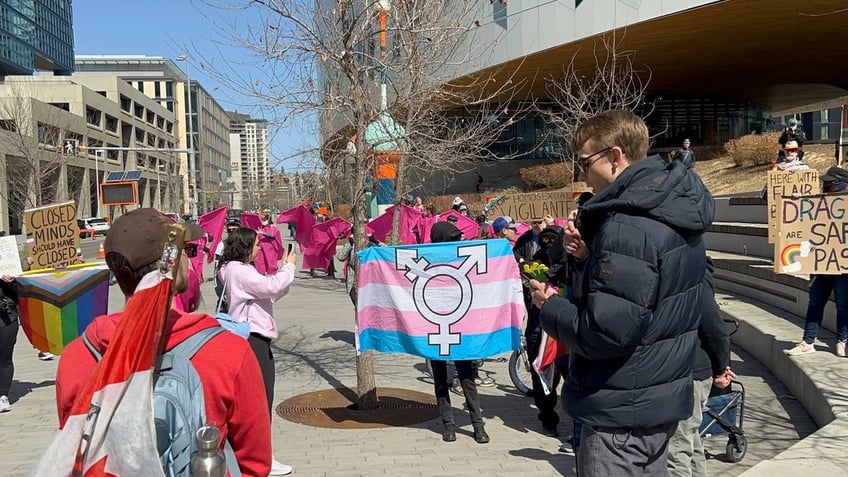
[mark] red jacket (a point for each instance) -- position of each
(232, 383)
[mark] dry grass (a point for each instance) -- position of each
(722, 176)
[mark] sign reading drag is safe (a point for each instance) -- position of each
(783, 183)
(54, 233)
(536, 205)
(812, 235)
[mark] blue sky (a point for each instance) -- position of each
(171, 28)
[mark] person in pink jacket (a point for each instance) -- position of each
(270, 247)
(250, 297)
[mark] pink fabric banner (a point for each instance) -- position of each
(250, 220)
(319, 251)
(213, 224)
(463, 223)
(381, 226)
(270, 250)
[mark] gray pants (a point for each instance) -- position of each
(685, 449)
(605, 452)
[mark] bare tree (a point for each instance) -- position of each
(34, 135)
(322, 64)
(609, 80)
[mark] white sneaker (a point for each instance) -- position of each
(801, 348)
(4, 404)
(44, 356)
(278, 468)
(840, 349)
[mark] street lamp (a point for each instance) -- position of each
(192, 178)
(97, 154)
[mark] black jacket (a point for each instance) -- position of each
(714, 355)
(685, 156)
(8, 303)
(790, 135)
(633, 331)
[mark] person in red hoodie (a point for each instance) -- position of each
(226, 365)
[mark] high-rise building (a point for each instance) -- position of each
(250, 167)
(36, 35)
(162, 80)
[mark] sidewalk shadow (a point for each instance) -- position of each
(20, 389)
(563, 464)
(340, 335)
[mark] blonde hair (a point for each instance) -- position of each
(614, 128)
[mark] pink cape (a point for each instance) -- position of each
(319, 252)
(381, 226)
(270, 250)
(213, 224)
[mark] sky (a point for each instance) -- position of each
(170, 28)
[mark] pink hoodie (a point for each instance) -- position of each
(251, 295)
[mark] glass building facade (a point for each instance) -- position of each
(36, 35)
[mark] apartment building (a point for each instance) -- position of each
(40, 115)
(162, 80)
(249, 155)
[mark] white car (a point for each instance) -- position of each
(100, 225)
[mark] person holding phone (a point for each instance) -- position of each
(250, 297)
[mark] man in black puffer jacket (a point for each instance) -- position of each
(632, 330)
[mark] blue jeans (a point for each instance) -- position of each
(820, 288)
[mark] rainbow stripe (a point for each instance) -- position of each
(484, 301)
(790, 254)
(57, 306)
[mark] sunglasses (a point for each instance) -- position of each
(191, 250)
(584, 163)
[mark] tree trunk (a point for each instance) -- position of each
(400, 184)
(366, 388)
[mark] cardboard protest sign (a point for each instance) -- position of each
(783, 183)
(535, 205)
(54, 235)
(10, 261)
(812, 235)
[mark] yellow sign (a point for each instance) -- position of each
(812, 235)
(52, 235)
(782, 183)
(536, 205)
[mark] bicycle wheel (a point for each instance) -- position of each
(519, 372)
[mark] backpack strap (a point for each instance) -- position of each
(94, 351)
(192, 345)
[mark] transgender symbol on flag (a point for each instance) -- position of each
(420, 274)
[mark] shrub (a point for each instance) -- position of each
(547, 176)
(753, 149)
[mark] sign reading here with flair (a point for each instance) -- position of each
(783, 183)
(812, 235)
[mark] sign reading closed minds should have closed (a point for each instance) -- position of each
(536, 205)
(52, 235)
(812, 235)
(783, 183)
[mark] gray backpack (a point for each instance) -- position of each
(179, 409)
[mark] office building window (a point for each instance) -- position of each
(825, 131)
(157, 89)
(825, 116)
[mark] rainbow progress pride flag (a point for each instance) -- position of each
(445, 301)
(57, 305)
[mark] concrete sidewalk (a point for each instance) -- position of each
(315, 352)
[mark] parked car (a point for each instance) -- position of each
(99, 225)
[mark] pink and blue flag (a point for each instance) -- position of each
(445, 301)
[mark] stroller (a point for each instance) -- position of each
(724, 415)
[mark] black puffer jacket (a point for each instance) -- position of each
(633, 335)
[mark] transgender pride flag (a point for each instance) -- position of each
(445, 301)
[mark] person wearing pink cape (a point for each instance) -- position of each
(270, 247)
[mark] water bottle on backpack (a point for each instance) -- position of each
(208, 461)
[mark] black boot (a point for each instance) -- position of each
(472, 400)
(449, 431)
(480, 434)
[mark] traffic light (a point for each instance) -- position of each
(70, 147)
